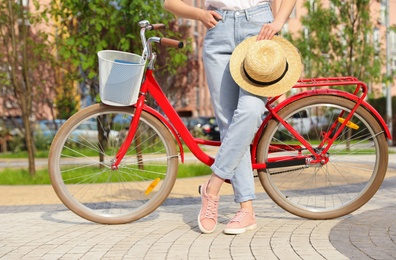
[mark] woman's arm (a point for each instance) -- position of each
(208, 18)
(269, 30)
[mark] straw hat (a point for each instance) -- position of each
(266, 68)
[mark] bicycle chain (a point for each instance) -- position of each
(296, 169)
(292, 170)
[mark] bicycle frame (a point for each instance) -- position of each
(180, 131)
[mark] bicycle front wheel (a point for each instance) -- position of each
(357, 160)
(83, 152)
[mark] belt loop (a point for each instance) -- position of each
(224, 15)
(247, 15)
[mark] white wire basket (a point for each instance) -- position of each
(120, 77)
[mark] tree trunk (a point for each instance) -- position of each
(28, 96)
(29, 144)
(20, 78)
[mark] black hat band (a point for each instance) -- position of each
(263, 83)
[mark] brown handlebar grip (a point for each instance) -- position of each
(171, 43)
(158, 26)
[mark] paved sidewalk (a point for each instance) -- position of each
(35, 225)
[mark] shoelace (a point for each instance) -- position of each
(239, 216)
(211, 209)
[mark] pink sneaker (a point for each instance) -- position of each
(243, 220)
(207, 218)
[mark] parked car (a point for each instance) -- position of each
(300, 121)
(88, 131)
(204, 127)
(11, 126)
(48, 128)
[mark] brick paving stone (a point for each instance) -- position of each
(45, 229)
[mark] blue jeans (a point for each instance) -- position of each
(238, 113)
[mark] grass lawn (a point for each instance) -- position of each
(23, 154)
(22, 176)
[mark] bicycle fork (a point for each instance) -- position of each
(132, 128)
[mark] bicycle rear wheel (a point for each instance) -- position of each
(83, 151)
(358, 159)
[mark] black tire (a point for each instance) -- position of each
(80, 172)
(358, 159)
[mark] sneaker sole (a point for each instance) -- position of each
(236, 231)
(202, 228)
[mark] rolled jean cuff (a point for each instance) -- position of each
(220, 173)
(245, 198)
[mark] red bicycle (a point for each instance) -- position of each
(320, 153)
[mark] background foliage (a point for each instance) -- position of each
(337, 40)
(86, 27)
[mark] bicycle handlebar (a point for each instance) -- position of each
(157, 26)
(147, 52)
(163, 41)
(171, 43)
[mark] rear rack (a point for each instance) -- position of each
(331, 84)
(318, 82)
(334, 82)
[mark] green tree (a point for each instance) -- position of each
(338, 41)
(86, 27)
(26, 66)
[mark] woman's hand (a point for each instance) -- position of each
(209, 18)
(269, 30)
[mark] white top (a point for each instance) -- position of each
(233, 4)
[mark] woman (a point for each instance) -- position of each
(238, 111)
